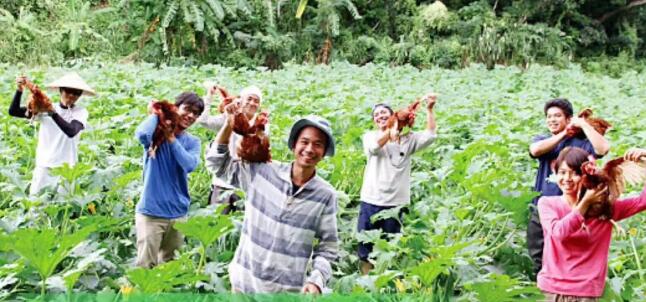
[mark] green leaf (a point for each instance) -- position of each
(206, 229)
(301, 8)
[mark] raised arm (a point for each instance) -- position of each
(207, 120)
(627, 207)
(14, 109)
(425, 138)
(544, 146)
(218, 159)
(146, 129)
(599, 143)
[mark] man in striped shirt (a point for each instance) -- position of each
(287, 208)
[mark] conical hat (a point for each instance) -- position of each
(72, 80)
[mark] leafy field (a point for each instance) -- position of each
(463, 236)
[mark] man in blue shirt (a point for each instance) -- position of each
(546, 148)
(165, 197)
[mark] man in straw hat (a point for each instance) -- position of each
(288, 207)
(58, 135)
(164, 198)
(250, 100)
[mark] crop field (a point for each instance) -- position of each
(464, 233)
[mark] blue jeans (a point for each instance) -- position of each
(390, 225)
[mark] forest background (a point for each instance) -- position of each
(604, 36)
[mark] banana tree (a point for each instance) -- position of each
(327, 16)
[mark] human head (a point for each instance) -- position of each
(71, 86)
(69, 96)
(381, 112)
(568, 169)
(190, 107)
(318, 123)
(250, 99)
(558, 113)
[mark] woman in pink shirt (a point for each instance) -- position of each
(575, 255)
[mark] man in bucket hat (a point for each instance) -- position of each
(250, 100)
(58, 135)
(288, 207)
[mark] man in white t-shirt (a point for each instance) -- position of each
(58, 135)
(386, 179)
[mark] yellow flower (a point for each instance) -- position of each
(91, 208)
(401, 288)
(127, 290)
(632, 232)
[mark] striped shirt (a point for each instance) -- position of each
(279, 228)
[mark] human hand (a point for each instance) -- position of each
(431, 99)
(230, 110)
(21, 81)
(577, 122)
(592, 196)
(635, 154)
(311, 288)
(151, 108)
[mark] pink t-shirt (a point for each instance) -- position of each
(575, 255)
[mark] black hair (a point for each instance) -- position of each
(375, 106)
(562, 104)
(574, 157)
(190, 99)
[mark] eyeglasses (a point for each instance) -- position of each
(72, 91)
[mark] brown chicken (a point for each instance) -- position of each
(254, 146)
(38, 101)
(404, 117)
(614, 174)
(167, 126)
(598, 124)
(225, 97)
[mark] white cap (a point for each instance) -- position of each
(251, 90)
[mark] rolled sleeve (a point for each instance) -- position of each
(423, 139)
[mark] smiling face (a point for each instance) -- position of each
(568, 180)
(309, 148)
(188, 114)
(250, 104)
(556, 120)
(380, 116)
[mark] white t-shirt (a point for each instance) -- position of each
(386, 179)
(54, 147)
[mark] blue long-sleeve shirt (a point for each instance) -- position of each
(165, 193)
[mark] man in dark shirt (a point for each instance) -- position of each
(545, 148)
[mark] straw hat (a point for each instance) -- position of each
(72, 80)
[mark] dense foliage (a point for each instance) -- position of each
(464, 233)
(271, 32)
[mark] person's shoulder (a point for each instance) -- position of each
(189, 138)
(370, 133)
(324, 188)
(548, 201)
(541, 137)
(79, 109)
